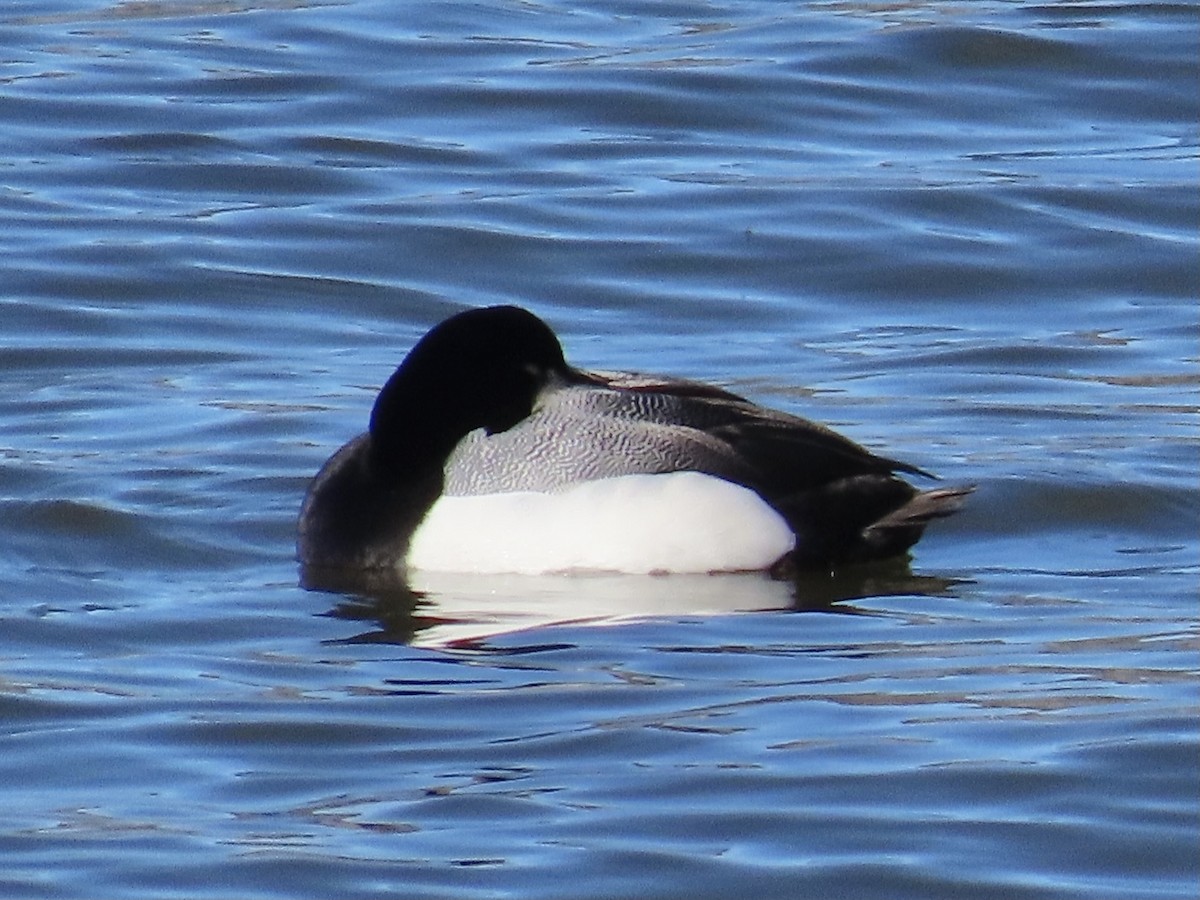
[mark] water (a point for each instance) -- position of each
(965, 234)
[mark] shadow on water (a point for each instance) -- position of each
(463, 611)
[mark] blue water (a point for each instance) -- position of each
(963, 233)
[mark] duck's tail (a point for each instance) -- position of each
(923, 508)
(863, 518)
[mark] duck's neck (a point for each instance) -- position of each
(419, 418)
(417, 451)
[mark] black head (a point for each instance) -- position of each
(482, 368)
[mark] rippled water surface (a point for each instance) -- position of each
(964, 233)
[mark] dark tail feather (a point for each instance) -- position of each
(863, 518)
(923, 508)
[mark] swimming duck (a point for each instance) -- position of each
(488, 452)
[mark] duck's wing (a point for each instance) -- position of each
(793, 454)
(586, 434)
(623, 423)
(642, 383)
(787, 453)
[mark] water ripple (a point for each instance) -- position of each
(963, 234)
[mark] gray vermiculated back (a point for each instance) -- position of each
(580, 434)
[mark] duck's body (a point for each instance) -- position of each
(487, 452)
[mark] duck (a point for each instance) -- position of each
(486, 452)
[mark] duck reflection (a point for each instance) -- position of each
(457, 610)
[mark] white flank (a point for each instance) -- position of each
(636, 524)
